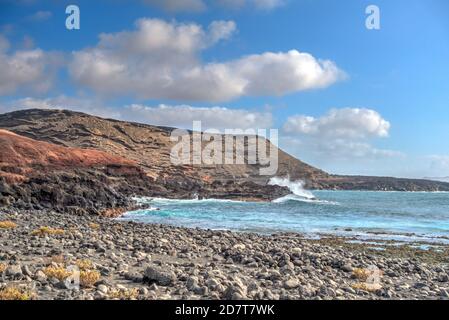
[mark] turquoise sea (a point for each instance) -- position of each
(400, 216)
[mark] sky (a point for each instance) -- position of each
(345, 98)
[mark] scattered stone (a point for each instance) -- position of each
(160, 276)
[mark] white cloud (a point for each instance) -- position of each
(267, 4)
(4, 44)
(352, 123)
(181, 116)
(178, 5)
(339, 134)
(40, 16)
(258, 4)
(201, 5)
(93, 107)
(26, 69)
(219, 30)
(160, 60)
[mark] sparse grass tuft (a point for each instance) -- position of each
(88, 278)
(42, 231)
(128, 294)
(11, 293)
(8, 225)
(59, 273)
(2, 267)
(369, 287)
(361, 274)
(84, 264)
(94, 226)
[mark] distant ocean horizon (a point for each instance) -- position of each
(381, 215)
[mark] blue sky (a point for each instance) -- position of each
(383, 110)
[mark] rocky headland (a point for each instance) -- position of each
(64, 175)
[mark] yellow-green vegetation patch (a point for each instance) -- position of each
(42, 231)
(88, 278)
(7, 224)
(369, 287)
(84, 264)
(94, 226)
(124, 294)
(361, 273)
(12, 293)
(58, 272)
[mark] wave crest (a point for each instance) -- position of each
(296, 187)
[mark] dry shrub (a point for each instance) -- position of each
(84, 264)
(369, 287)
(94, 226)
(361, 273)
(7, 225)
(128, 294)
(88, 278)
(11, 293)
(2, 267)
(59, 273)
(42, 231)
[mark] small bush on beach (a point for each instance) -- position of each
(59, 273)
(42, 231)
(88, 278)
(369, 287)
(7, 225)
(128, 294)
(84, 264)
(361, 274)
(11, 293)
(94, 226)
(2, 267)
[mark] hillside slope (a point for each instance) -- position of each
(36, 174)
(149, 146)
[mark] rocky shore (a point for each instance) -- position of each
(126, 260)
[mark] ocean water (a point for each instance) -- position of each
(399, 216)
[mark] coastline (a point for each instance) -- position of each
(150, 261)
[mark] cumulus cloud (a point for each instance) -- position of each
(26, 69)
(181, 116)
(267, 4)
(258, 4)
(86, 105)
(339, 134)
(352, 123)
(201, 5)
(40, 16)
(178, 5)
(160, 60)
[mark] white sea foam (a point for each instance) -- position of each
(296, 187)
(186, 201)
